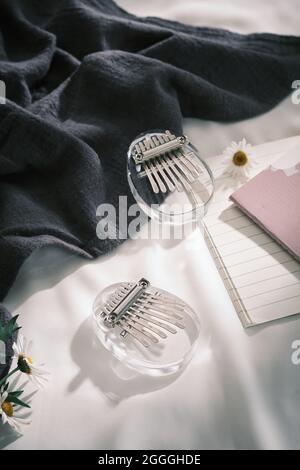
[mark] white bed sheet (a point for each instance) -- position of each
(241, 391)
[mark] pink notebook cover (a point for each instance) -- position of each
(272, 200)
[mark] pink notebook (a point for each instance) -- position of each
(272, 200)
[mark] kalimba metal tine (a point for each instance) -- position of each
(176, 185)
(164, 311)
(151, 179)
(160, 168)
(153, 312)
(136, 335)
(191, 157)
(177, 159)
(166, 326)
(147, 142)
(158, 296)
(179, 175)
(153, 172)
(182, 167)
(139, 316)
(162, 305)
(190, 165)
(157, 177)
(175, 181)
(169, 135)
(148, 318)
(136, 326)
(144, 324)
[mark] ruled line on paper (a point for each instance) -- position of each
(268, 279)
(228, 223)
(258, 270)
(229, 228)
(236, 235)
(251, 259)
(258, 263)
(244, 245)
(270, 262)
(275, 302)
(219, 234)
(267, 291)
(247, 249)
(224, 220)
(273, 311)
(252, 254)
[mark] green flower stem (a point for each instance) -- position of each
(4, 379)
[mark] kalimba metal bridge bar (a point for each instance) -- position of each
(141, 311)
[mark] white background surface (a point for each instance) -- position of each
(242, 391)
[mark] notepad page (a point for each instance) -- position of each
(262, 279)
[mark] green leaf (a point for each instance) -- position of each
(16, 401)
(16, 393)
(7, 330)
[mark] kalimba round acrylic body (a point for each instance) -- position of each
(157, 333)
(168, 178)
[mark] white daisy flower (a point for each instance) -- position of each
(36, 373)
(238, 159)
(7, 413)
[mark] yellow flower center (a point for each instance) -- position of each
(239, 158)
(7, 408)
(23, 364)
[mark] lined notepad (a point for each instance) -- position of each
(262, 278)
